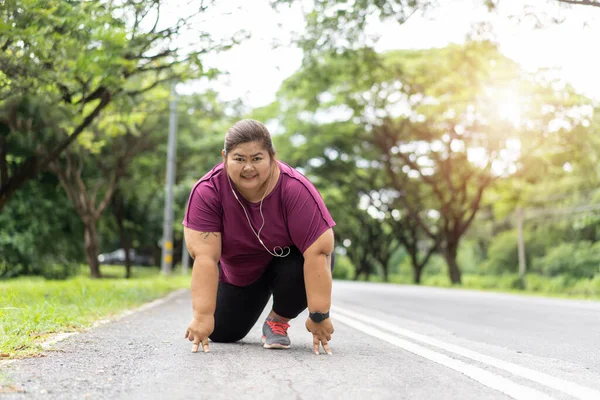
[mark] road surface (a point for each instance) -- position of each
(391, 342)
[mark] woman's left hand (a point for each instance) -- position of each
(321, 334)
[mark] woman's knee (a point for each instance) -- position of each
(227, 337)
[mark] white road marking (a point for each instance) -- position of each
(484, 377)
(570, 388)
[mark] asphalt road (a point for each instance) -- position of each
(391, 342)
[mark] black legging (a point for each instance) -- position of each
(238, 307)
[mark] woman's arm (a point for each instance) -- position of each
(205, 249)
(317, 279)
(317, 272)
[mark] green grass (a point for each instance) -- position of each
(558, 286)
(31, 309)
(561, 286)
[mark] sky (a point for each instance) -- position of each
(256, 68)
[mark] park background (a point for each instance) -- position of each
(455, 143)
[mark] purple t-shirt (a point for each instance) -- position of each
(295, 215)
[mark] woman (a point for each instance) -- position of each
(255, 227)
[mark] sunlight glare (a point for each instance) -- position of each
(511, 112)
(506, 104)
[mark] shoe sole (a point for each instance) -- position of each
(274, 345)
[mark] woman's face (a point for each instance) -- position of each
(249, 167)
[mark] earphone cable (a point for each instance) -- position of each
(278, 251)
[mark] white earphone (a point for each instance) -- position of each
(278, 251)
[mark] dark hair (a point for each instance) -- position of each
(248, 130)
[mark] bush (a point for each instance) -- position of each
(579, 260)
(503, 255)
(469, 257)
(57, 270)
(437, 280)
(435, 266)
(587, 288)
(38, 225)
(535, 283)
(342, 267)
(495, 282)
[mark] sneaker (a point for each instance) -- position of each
(275, 334)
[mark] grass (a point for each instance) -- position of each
(558, 286)
(32, 309)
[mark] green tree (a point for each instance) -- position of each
(338, 25)
(136, 219)
(89, 173)
(61, 64)
(442, 124)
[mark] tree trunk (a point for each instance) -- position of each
(417, 270)
(384, 261)
(360, 270)
(125, 245)
(119, 211)
(91, 247)
(450, 252)
(357, 270)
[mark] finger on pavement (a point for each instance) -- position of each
(327, 349)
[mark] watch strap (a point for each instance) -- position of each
(322, 316)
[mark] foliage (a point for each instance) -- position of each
(578, 260)
(341, 24)
(503, 255)
(39, 230)
(202, 120)
(342, 268)
(63, 62)
(338, 25)
(564, 286)
(32, 308)
(387, 138)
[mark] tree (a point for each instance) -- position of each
(90, 197)
(63, 62)
(137, 208)
(414, 234)
(361, 230)
(334, 26)
(90, 170)
(442, 124)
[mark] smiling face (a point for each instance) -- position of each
(249, 166)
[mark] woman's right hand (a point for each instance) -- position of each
(201, 326)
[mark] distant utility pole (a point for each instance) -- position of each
(166, 265)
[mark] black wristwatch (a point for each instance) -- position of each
(318, 316)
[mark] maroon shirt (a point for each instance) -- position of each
(295, 215)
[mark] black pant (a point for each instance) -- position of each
(238, 307)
